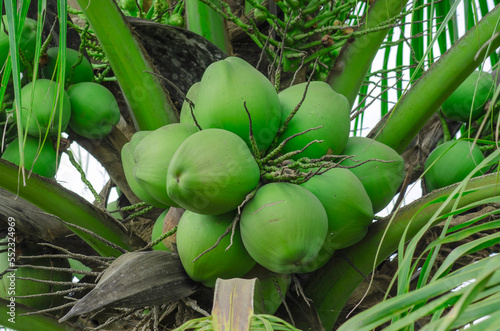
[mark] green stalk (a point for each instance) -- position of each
(62, 6)
(384, 81)
(417, 43)
(441, 8)
(483, 5)
(147, 98)
(356, 58)
(55, 199)
(206, 22)
(416, 107)
(332, 286)
(32, 322)
(399, 62)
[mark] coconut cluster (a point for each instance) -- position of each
(87, 108)
(260, 175)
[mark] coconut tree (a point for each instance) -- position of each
(430, 264)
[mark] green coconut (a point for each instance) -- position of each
(11, 283)
(158, 231)
(468, 100)
(40, 161)
(27, 43)
(224, 89)
(94, 110)
(349, 210)
(212, 172)
(41, 109)
(380, 180)
(153, 155)
(28, 287)
(284, 227)
(270, 291)
(197, 233)
(128, 163)
(450, 163)
(321, 106)
(186, 116)
(77, 74)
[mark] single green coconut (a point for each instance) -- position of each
(78, 68)
(225, 88)
(197, 233)
(468, 100)
(27, 42)
(41, 108)
(322, 106)
(349, 210)
(11, 283)
(381, 180)
(153, 156)
(41, 161)
(94, 110)
(450, 163)
(212, 172)
(128, 163)
(284, 227)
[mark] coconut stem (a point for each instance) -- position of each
(161, 238)
(255, 149)
(83, 177)
(291, 154)
(277, 150)
(105, 241)
(140, 212)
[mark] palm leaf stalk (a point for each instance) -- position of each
(206, 22)
(56, 200)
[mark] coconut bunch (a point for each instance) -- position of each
(267, 179)
(87, 108)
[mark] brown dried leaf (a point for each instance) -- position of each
(137, 279)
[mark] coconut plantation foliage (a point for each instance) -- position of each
(251, 196)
